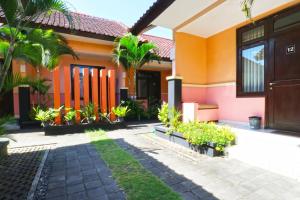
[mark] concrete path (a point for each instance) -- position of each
(77, 171)
(200, 177)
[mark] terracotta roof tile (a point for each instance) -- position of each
(85, 23)
(164, 45)
(101, 26)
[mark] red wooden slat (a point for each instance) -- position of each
(103, 93)
(56, 91)
(112, 92)
(95, 91)
(86, 86)
(77, 93)
(67, 80)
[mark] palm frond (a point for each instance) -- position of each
(10, 10)
(14, 80)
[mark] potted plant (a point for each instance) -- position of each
(120, 112)
(88, 113)
(205, 138)
(70, 116)
(46, 116)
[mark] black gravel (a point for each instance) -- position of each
(42, 186)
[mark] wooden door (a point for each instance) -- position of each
(283, 85)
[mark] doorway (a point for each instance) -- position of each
(283, 75)
(148, 86)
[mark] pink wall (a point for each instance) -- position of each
(194, 94)
(230, 107)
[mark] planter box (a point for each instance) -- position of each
(3, 147)
(178, 138)
(80, 128)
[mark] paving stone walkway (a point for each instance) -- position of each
(17, 171)
(76, 170)
(196, 176)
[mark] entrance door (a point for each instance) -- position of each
(283, 87)
(148, 86)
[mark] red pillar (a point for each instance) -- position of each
(112, 91)
(56, 91)
(103, 93)
(67, 79)
(95, 92)
(86, 95)
(77, 93)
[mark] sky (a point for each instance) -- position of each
(125, 11)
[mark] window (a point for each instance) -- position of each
(81, 76)
(148, 85)
(253, 69)
(286, 22)
(251, 62)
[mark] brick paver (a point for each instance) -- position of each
(196, 176)
(76, 169)
(17, 171)
(77, 172)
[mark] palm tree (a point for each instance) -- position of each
(134, 54)
(17, 41)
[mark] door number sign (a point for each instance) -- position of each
(290, 49)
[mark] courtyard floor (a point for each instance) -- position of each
(77, 171)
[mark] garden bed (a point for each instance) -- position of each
(178, 138)
(80, 128)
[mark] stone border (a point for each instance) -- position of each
(80, 128)
(36, 179)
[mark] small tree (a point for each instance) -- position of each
(17, 41)
(133, 53)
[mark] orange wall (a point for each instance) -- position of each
(191, 58)
(221, 57)
(219, 65)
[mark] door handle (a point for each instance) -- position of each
(271, 84)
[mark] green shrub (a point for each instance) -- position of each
(136, 109)
(174, 120)
(203, 133)
(163, 113)
(120, 111)
(5, 120)
(46, 116)
(88, 113)
(70, 115)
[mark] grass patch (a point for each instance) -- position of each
(137, 182)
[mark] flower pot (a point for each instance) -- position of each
(255, 122)
(70, 123)
(121, 119)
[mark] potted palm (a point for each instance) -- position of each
(120, 112)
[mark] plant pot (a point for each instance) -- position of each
(175, 137)
(3, 147)
(255, 122)
(70, 123)
(121, 119)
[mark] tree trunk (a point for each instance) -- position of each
(6, 66)
(134, 83)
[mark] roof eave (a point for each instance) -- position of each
(151, 14)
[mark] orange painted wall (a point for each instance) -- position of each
(221, 57)
(217, 51)
(191, 58)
